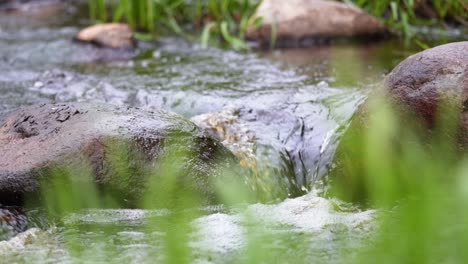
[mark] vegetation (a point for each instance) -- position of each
(220, 22)
(420, 177)
(403, 16)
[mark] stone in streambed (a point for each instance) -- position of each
(423, 80)
(38, 140)
(109, 35)
(418, 89)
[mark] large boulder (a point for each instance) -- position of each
(423, 80)
(298, 21)
(120, 146)
(424, 87)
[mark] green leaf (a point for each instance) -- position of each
(205, 37)
(143, 36)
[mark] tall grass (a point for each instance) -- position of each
(404, 15)
(420, 176)
(219, 22)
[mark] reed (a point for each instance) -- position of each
(404, 16)
(213, 22)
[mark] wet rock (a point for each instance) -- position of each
(282, 152)
(39, 140)
(111, 35)
(416, 90)
(234, 133)
(423, 80)
(231, 132)
(308, 22)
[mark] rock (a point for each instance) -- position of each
(305, 20)
(12, 222)
(39, 140)
(231, 132)
(110, 35)
(415, 90)
(282, 153)
(422, 80)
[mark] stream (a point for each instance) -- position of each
(295, 101)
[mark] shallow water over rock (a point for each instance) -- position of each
(291, 114)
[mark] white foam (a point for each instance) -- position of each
(310, 213)
(225, 233)
(218, 236)
(20, 241)
(220, 233)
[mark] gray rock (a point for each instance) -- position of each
(120, 146)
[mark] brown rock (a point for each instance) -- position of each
(416, 88)
(421, 81)
(111, 35)
(302, 19)
(37, 140)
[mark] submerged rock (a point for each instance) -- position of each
(119, 147)
(234, 133)
(423, 80)
(299, 22)
(12, 222)
(110, 35)
(281, 148)
(228, 128)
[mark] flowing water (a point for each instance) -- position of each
(295, 103)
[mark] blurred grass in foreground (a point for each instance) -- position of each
(417, 180)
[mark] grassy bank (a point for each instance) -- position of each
(404, 15)
(216, 22)
(224, 22)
